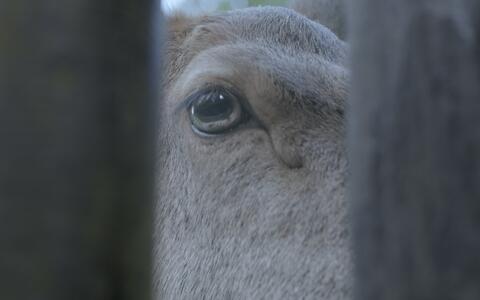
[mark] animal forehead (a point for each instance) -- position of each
(271, 27)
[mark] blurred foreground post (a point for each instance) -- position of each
(415, 148)
(76, 135)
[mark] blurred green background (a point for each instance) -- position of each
(226, 4)
(203, 6)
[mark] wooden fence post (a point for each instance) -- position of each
(415, 148)
(76, 131)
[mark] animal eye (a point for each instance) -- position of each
(215, 111)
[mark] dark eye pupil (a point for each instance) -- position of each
(213, 107)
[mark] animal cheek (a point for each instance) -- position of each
(285, 147)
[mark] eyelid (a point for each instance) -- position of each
(187, 102)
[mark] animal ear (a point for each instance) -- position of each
(179, 27)
(330, 13)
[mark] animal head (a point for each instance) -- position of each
(251, 191)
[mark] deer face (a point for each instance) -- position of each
(251, 193)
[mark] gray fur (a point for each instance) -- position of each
(331, 13)
(257, 213)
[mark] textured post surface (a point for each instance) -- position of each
(76, 129)
(415, 148)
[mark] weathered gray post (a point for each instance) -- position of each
(415, 148)
(76, 136)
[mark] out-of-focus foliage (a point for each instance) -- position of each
(203, 6)
(227, 4)
(224, 5)
(266, 2)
